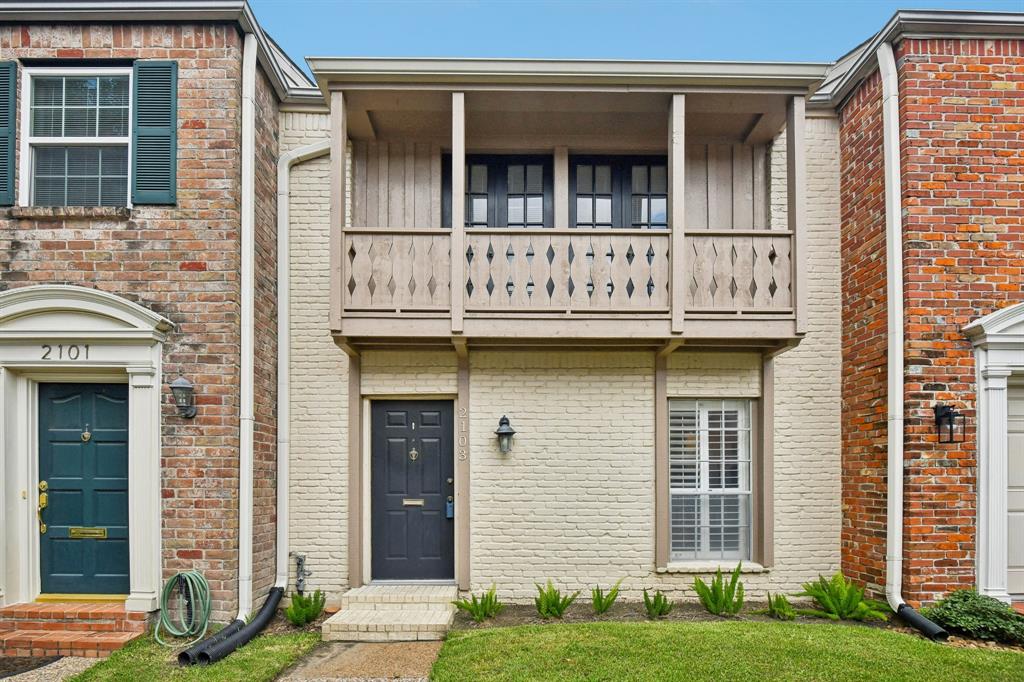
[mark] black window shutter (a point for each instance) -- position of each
(155, 132)
(8, 116)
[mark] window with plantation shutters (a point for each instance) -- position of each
(514, 191)
(709, 479)
(154, 139)
(8, 116)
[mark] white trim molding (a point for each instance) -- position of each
(999, 355)
(74, 334)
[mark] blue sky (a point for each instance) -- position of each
(782, 30)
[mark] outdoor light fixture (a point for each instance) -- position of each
(184, 397)
(949, 424)
(504, 434)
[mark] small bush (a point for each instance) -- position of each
(721, 599)
(840, 599)
(780, 608)
(657, 605)
(550, 602)
(601, 601)
(305, 609)
(487, 606)
(976, 615)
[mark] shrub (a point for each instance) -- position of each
(780, 608)
(487, 606)
(602, 602)
(840, 599)
(976, 615)
(305, 609)
(550, 602)
(721, 599)
(658, 605)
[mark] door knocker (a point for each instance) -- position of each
(86, 436)
(413, 455)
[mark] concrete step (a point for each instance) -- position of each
(399, 597)
(388, 625)
(63, 642)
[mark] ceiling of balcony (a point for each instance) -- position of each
(533, 121)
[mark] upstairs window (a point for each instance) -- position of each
(79, 137)
(618, 192)
(503, 191)
(709, 479)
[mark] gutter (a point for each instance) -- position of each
(284, 167)
(894, 389)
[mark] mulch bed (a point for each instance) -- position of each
(12, 665)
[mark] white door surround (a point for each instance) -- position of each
(75, 334)
(999, 359)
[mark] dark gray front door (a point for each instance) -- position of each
(411, 483)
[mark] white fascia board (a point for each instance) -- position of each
(547, 72)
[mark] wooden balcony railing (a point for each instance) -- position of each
(549, 272)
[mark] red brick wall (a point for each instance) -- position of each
(963, 157)
(862, 251)
(963, 199)
(265, 428)
(182, 262)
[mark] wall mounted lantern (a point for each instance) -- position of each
(504, 434)
(949, 424)
(184, 397)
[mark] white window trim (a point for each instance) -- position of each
(746, 443)
(27, 142)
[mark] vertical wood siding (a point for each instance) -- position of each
(726, 187)
(396, 184)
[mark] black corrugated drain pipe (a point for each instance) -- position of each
(190, 656)
(919, 622)
(219, 650)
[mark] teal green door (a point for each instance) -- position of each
(83, 466)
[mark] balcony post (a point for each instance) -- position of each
(458, 239)
(677, 208)
(339, 145)
(796, 178)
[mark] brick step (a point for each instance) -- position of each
(63, 643)
(388, 625)
(403, 597)
(101, 612)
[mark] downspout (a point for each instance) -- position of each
(894, 391)
(248, 331)
(284, 167)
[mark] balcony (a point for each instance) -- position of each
(722, 270)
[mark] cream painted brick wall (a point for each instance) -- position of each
(574, 501)
(319, 372)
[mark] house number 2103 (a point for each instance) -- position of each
(65, 352)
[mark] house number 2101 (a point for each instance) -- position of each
(61, 352)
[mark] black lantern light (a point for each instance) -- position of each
(949, 424)
(504, 434)
(184, 397)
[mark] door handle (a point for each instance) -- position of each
(44, 502)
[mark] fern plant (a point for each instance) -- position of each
(720, 598)
(305, 609)
(601, 601)
(780, 608)
(550, 601)
(840, 599)
(657, 605)
(482, 608)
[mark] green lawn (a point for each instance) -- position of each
(731, 650)
(144, 660)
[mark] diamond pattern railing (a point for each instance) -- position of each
(738, 273)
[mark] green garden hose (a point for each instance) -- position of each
(193, 607)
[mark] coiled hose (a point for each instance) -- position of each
(192, 595)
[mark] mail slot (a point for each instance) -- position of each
(412, 502)
(79, 533)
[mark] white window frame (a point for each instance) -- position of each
(703, 491)
(25, 156)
